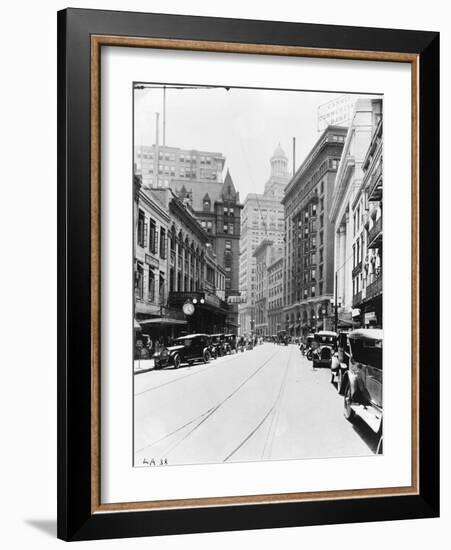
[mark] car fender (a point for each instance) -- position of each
(353, 378)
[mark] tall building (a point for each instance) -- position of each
(309, 234)
(217, 207)
(265, 255)
(262, 218)
(160, 164)
(367, 236)
(275, 295)
(348, 213)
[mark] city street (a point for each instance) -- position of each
(264, 404)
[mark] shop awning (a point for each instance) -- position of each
(346, 323)
(291, 326)
(298, 325)
(163, 321)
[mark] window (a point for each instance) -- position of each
(151, 286)
(228, 245)
(313, 291)
(141, 228)
(152, 236)
(139, 279)
(322, 187)
(162, 243)
(161, 288)
(320, 289)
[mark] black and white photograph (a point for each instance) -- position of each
(257, 272)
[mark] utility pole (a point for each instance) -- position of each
(157, 138)
(164, 116)
(336, 304)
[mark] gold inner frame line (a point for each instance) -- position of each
(97, 41)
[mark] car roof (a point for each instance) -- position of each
(190, 336)
(367, 334)
(326, 333)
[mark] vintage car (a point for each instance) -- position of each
(186, 349)
(231, 343)
(340, 360)
(282, 337)
(218, 345)
(362, 382)
(323, 348)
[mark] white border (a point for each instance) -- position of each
(119, 481)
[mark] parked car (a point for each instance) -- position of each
(340, 360)
(218, 344)
(323, 347)
(186, 349)
(362, 382)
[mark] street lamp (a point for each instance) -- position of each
(335, 303)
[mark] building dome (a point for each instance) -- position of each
(279, 153)
(279, 162)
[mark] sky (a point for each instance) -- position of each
(245, 125)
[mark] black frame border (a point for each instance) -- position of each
(75, 520)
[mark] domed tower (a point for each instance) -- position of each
(279, 162)
(279, 173)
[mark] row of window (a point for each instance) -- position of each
(147, 236)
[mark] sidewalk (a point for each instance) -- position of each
(143, 365)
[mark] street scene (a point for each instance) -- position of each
(257, 274)
(264, 404)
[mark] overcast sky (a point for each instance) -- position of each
(244, 125)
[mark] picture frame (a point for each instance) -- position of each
(81, 35)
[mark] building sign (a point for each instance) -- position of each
(355, 312)
(370, 317)
(150, 260)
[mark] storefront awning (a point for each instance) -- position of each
(298, 325)
(163, 321)
(291, 326)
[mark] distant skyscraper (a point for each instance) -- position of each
(262, 218)
(159, 165)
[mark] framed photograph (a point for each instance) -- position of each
(248, 274)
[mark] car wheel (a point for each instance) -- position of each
(347, 410)
(177, 361)
(206, 356)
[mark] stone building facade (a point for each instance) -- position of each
(309, 245)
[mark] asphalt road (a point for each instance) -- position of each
(264, 404)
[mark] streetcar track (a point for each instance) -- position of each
(273, 409)
(207, 414)
(174, 431)
(275, 418)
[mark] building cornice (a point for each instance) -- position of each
(319, 145)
